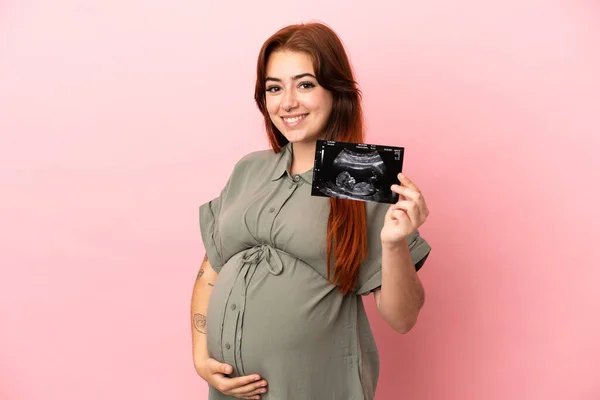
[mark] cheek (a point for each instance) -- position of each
(321, 103)
(272, 105)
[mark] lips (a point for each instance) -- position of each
(292, 120)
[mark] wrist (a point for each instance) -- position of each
(200, 364)
(394, 246)
(200, 368)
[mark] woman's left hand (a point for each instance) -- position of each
(408, 214)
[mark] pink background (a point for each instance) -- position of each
(118, 118)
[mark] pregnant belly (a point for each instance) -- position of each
(258, 318)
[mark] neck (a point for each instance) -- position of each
(303, 157)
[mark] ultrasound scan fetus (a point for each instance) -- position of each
(352, 172)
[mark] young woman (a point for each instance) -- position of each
(277, 308)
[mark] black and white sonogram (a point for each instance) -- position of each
(356, 171)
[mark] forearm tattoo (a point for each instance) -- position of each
(201, 272)
(200, 323)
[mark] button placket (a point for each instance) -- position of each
(232, 328)
(281, 199)
(246, 278)
(273, 211)
(230, 336)
(226, 327)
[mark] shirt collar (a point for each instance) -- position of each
(283, 165)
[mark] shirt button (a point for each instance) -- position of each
(227, 346)
(296, 178)
(272, 210)
(233, 306)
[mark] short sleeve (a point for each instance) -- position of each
(209, 229)
(370, 270)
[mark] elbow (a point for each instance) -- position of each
(404, 326)
(402, 318)
(402, 322)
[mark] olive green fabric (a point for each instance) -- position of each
(272, 311)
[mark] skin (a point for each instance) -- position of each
(401, 296)
(209, 369)
(293, 90)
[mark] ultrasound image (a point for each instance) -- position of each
(358, 172)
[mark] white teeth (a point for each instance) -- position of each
(295, 119)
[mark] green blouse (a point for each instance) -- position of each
(272, 311)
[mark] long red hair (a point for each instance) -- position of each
(346, 227)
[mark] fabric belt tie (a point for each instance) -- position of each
(265, 252)
(250, 260)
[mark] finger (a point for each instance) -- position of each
(257, 392)
(250, 389)
(254, 394)
(407, 192)
(214, 366)
(407, 182)
(411, 208)
(243, 384)
(402, 205)
(411, 194)
(399, 215)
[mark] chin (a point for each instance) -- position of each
(300, 137)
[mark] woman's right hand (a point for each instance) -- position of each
(243, 387)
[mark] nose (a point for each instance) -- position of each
(289, 100)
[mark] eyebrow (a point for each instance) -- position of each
(294, 77)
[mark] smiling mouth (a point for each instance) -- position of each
(294, 120)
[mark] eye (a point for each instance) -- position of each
(307, 85)
(272, 89)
